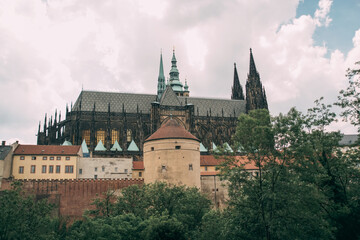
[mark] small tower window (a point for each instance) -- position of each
(163, 168)
(152, 148)
(190, 167)
(177, 147)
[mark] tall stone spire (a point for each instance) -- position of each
(237, 91)
(174, 77)
(255, 92)
(161, 80)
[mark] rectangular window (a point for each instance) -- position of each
(95, 169)
(33, 158)
(21, 169)
(103, 168)
(125, 170)
(32, 169)
(95, 176)
(69, 169)
(140, 174)
(44, 158)
(177, 147)
(51, 169)
(116, 169)
(57, 168)
(114, 136)
(190, 167)
(43, 169)
(80, 170)
(152, 149)
(22, 157)
(67, 158)
(86, 136)
(128, 135)
(100, 135)
(51, 158)
(205, 168)
(58, 158)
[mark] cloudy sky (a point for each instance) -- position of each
(50, 50)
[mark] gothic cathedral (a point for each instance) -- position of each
(122, 121)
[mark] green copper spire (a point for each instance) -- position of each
(174, 76)
(161, 80)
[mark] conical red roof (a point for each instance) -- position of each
(171, 129)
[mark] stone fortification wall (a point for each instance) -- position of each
(74, 196)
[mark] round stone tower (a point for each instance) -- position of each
(172, 155)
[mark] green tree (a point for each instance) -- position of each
(349, 99)
(154, 211)
(273, 202)
(24, 217)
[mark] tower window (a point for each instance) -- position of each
(80, 171)
(163, 168)
(190, 167)
(103, 168)
(152, 149)
(177, 147)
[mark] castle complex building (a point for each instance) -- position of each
(125, 120)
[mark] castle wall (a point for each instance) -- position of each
(72, 197)
(215, 189)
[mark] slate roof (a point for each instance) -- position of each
(46, 150)
(171, 130)
(169, 98)
(348, 139)
(133, 101)
(217, 106)
(116, 100)
(4, 151)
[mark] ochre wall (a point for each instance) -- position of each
(39, 162)
(72, 196)
(215, 190)
(175, 161)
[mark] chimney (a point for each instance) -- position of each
(3, 143)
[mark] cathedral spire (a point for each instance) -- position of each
(174, 77)
(255, 92)
(237, 91)
(252, 67)
(161, 80)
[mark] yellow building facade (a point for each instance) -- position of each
(45, 162)
(172, 155)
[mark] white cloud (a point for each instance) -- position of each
(48, 50)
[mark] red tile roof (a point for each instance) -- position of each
(46, 150)
(138, 165)
(171, 129)
(210, 160)
(209, 173)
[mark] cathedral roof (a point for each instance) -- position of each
(132, 102)
(169, 98)
(171, 130)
